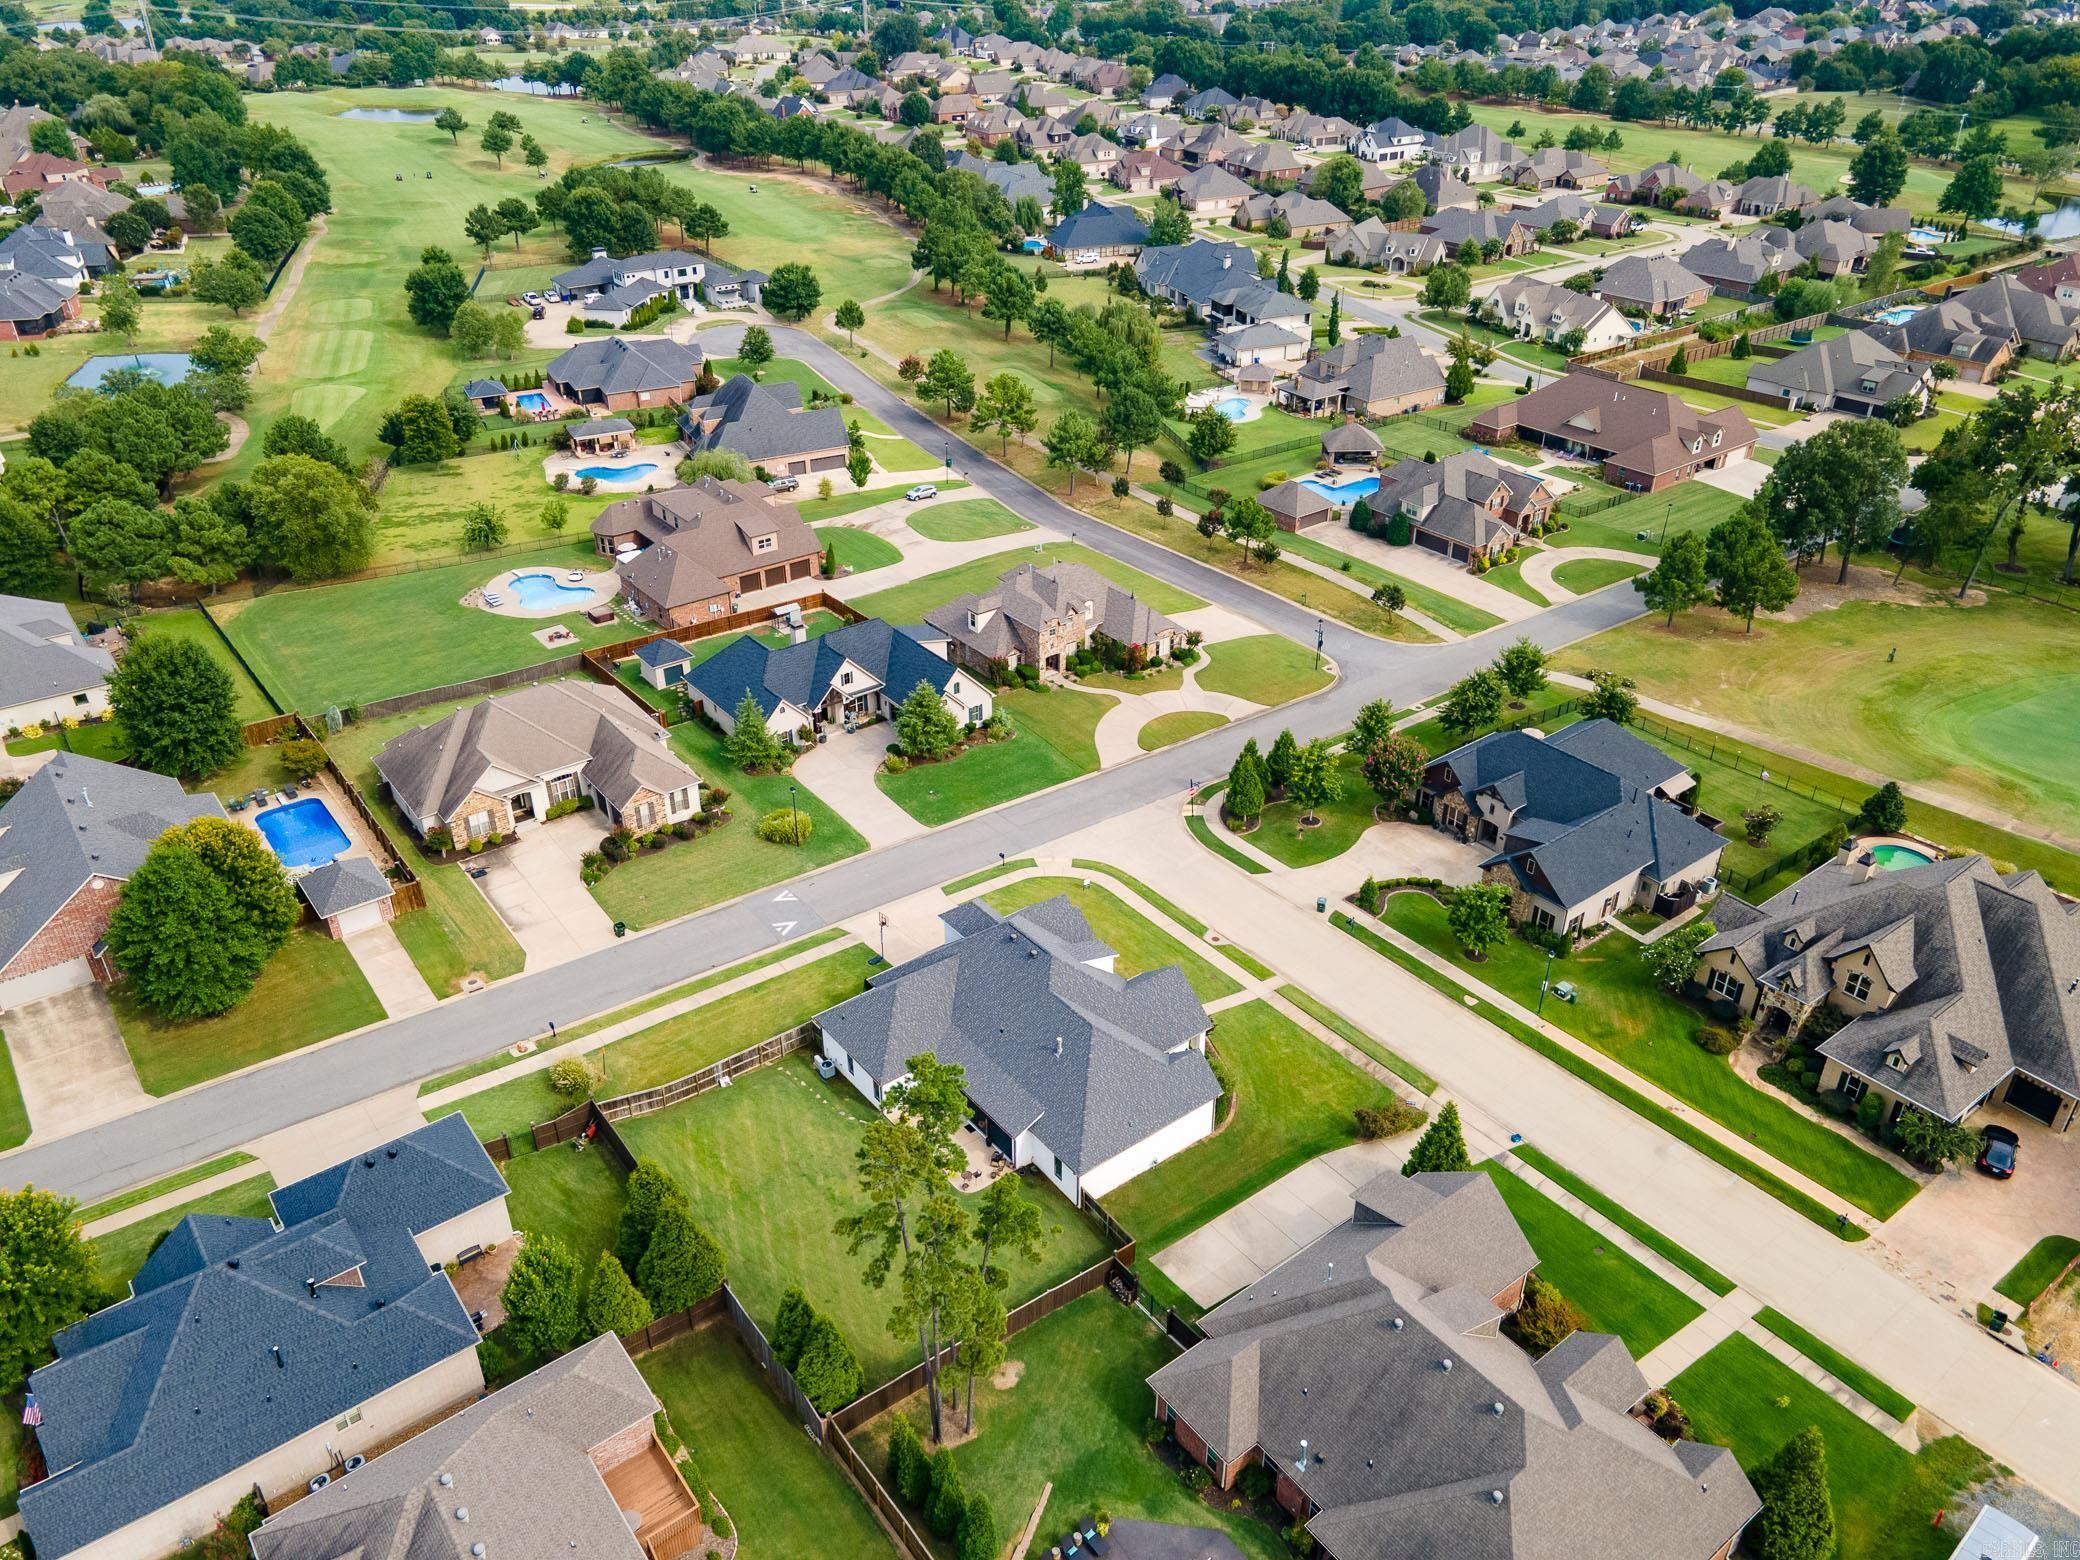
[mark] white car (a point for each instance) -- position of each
(530, 299)
(923, 490)
(1084, 257)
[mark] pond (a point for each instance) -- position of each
(168, 368)
(391, 116)
(2059, 222)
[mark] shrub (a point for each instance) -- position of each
(1390, 1120)
(650, 1189)
(613, 1304)
(785, 826)
(977, 1534)
(909, 1474)
(1719, 1042)
(541, 1296)
(1165, 507)
(1545, 1318)
(1256, 1483)
(829, 1372)
(948, 1499)
(682, 1263)
(573, 1077)
(1196, 1478)
(614, 846)
(894, 764)
(302, 759)
(1870, 1112)
(1797, 1518)
(574, 326)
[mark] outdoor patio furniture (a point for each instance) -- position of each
(288, 793)
(237, 804)
(1092, 1538)
(1072, 1544)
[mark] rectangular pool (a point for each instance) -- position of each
(303, 832)
(532, 402)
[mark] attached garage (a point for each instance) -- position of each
(2034, 1100)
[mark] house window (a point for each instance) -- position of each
(1722, 984)
(1851, 1087)
(80, 698)
(1057, 1158)
(974, 714)
(646, 814)
(1857, 986)
(845, 679)
(764, 544)
(353, 1417)
(1542, 918)
(478, 825)
(563, 788)
(679, 801)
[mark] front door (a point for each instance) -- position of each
(523, 807)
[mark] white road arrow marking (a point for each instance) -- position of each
(784, 927)
(784, 897)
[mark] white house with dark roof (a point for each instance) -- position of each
(1042, 614)
(1084, 1074)
(47, 671)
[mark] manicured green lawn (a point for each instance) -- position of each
(14, 1115)
(1726, 791)
(110, 1206)
(858, 551)
(1718, 1283)
(1074, 1418)
(574, 1197)
(689, 876)
(121, 1252)
(1637, 524)
(1616, 1292)
(310, 991)
(1836, 1364)
(816, 509)
(909, 603)
(1980, 700)
(1293, 1098)
(2039, 1267)
(769, 1165)
(1178, 726)
(1280, 836)
(1056, 740)
(188, 623)
(970, 520)
(1459, 616)
(372, 639)
(1167, 678)
(1510, 577)
(1139, 942)
(1885, 1499)
(783, 1495)
(1263, 668)
(1334, 1021)
(1623, 1014)
(1583, 575)
(1202, 831)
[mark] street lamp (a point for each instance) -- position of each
(794, 817)
(1317, 644)
(1667, 515)
(1544, 981)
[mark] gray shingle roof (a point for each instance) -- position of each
(762, 422)
(28, 299)
(343, 883)
(518, 1459)
(1031, 596)
(618, 365)
(1002, 997)
(1654, 281)
(802, 674)
(182, 1383)
(1855, 364)
(1344, 1348)
(78, 818)
(1099, 226)
(484, 389)
(1453, 497)
(43, 655)
(600, 426)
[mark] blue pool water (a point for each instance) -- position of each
(1895, 316)
(1921, 235)
(169, 368)
(1234, 408)
(535, 591)
(1343, 492)
(531, 401)
(303, 832)
(617, 473)
(1892, 858)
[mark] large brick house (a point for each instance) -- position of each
(69, 840)
(1371, 1375)
(1645, 440)
(1040, 615)
(768, 425)
(619, 373)
(1464, 506)
(500, 766)
(686, 555)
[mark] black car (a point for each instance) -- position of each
(1998, 1152)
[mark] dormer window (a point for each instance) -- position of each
(765, 543)
(1897, 1061)
(1857, 988)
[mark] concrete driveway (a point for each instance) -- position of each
(534, 886)
(841, 771)
(71, 1062)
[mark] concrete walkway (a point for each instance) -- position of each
(1724, 1317)
(71, 1063)
(842, 771)
(1118, 732)
(1538, 568)
(137, 1212)
(397, 982)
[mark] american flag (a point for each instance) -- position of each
(32, 1411)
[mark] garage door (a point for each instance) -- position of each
(1435, 543)
(2033, 1099)
(362, 918)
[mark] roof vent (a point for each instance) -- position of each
(447, 1481)
(1397, 1324)
(231, 1263)
(1447, 1364)
(276, 1350)
(1057, 1045)
(369, 1162)
(477, 1550)
(390, 1152)
(1494, 1497)
(462, 1512)
(1495, 1408)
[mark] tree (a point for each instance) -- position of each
(1315, 779)
(452, 122)
(1975, 191)
(1447, 287)
(1168, 224)
(47, 1279)
(206, 546)
(536, 156)
(1671, 957)
(543, 1314)
(308, 519)
(612, 1303)
(118, 542)
(420, 430)
(649, 1191)
(120, 310)
(28, 545)
(1073, 445)
(1373, 724)
(222, 350)
(1610, 697)
(755, 351)
(498, 140)
(850, 318)
(1244, 797)
(1212, 435)
(50, 137)
(751, 745)
(1389, 596)
(1393, 767)
(1680, 580)
(483, 228)
(200, 917)
(828, 1372)
(1007, 296)
(176, 706)
(1841, 485)
(792, 291)
(1248, 524)
(483, 528)
(1006, 405)
(682, 1264)
(1797, 1517)
(925, 727)
(1545, 1319)
(435, 289)
(948, 378)
(1932, 1142)
(1522, 668)
(1760, 822)
(791, 1324)
(1442, 1145)
(263, 233)
(948, 1498)
(1747, 565)
(1479, 917)
(517, 218)
(1884, 811)
(915, 110)
(1475, 701)
(909, 1471)
(1131, 420)
(1278, 763)
(1458, 381)
(236, 282)
(1071, 192)
(976, 1538)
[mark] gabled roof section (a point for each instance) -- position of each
(802, 675)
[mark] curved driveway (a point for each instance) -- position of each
(218, 1116)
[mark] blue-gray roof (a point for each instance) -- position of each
(663, 652)
(801, 674)
(485, 390)
(1099, 226)
(235, 1339)
(762, 422)
(343, 884)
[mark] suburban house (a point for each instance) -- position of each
(1977, 345)
(1506, 229)
(1874, 220)
(1141, 172)
(1532, 310)
(1476, 154)
(1295, 506)
(1954, 978)
(1014, 180)
(1212, 192)
(1219, 283)
(495, 767)
(859, 672)
(1097, 233)
(1259, 346)
(1443, 190)
(1834, 248)
(1854, 372)
(32, 307)
(1317, 132)
(1303, 215)
(261, 1353)
(1766, 196)
(1270, 164)
(687, 554)
(1391, 141)
(1373, 244)
(619, 372)
(1583, 823)
(2058, 280)
(2049, 328)
(1465, 506)
(1736, 267)
(1595, 218)
(633, 278)
(557, 1460)
(1041, 615)
(1645, 440)
(1558, 168)
(1209, 146)
(70, 838)
(767, 425)
(1366, 376)
(1714, 199)
(1653, 284)
(1651, 184)
(48, 673)
(1088, 1076)
(1369, 1372)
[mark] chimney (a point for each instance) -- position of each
(276, 1350)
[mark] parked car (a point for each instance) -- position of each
(530, 299)
(1998, 1150)
(784, 484)
(921, 491)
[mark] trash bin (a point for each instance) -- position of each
(620, 928)
(1321, 904)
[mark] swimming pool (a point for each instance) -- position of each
(618, 473)
(1921, 235)
(1343, 493)
(532, 402)
(1893, 858)
(303, 832)
(538, 591)
(1233, 407)
(169, 368)
(1895, 316)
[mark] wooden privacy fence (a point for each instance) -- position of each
(644, 1102)
(838, 1445)
(1661, 376)
(541, 671)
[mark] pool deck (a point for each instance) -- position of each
(602, 587)
(359, 841)
(661, 458)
